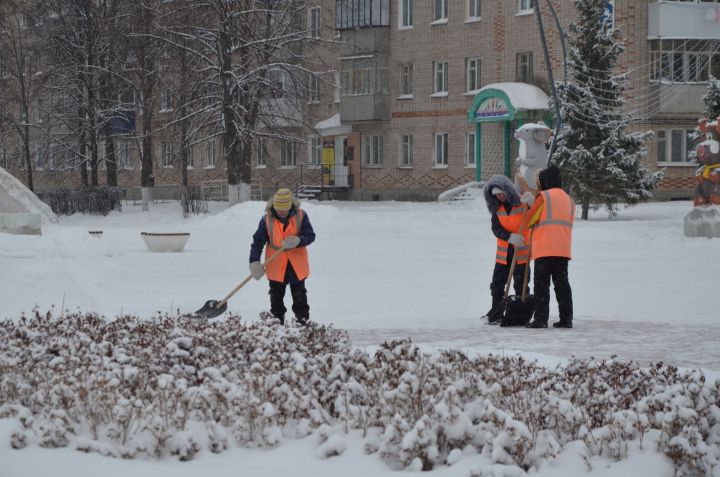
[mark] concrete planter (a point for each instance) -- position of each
(165, 242)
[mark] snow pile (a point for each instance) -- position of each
(178, 385)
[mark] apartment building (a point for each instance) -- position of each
(414, 97)
(427, 87)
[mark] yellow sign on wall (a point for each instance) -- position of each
(328, 163)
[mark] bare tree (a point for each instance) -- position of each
(20, 79)
(250, 54)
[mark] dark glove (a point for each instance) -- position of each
(256, 270)
(291, 242)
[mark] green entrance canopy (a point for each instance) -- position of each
(506, 103)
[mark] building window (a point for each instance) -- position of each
(524, 67)
(351, 14)
(441, 150)
(406, 73)
(684, 61)
(189, 150)
(373, 150)
(473, 9)
(314, 88)
(525, 6)
(470, 149)
(314, 22)
(472, 68)
(674, 145)
(261, 159)
(336, 87)
(406, 154)
(441, 80)
(315, 151)
(210, 154)
(124, 155)
(440, 10)
(405, 13)
(288, 153)
(40, 157)
(364, 76)
(165, 100)
(166, 154)
(4, 159)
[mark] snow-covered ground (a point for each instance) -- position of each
(642, 291)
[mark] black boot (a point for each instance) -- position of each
(494, 318)
(563, 324)
(537, 324)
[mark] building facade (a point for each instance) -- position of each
(387, 114)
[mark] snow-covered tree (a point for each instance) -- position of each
(252, 55)
(600, 162)
(712, 99)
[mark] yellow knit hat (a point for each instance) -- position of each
(283, 199)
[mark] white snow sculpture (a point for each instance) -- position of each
(532, 156)
(21, 212)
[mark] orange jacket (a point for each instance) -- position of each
(511, 222)
(298, 257)
(552, 215)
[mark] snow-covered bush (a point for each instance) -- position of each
(180, 385)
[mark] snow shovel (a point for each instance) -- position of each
(519, 309)
(213, 308)
(497, 314)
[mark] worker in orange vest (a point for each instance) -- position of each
(503, 202)
(285, 228)
(551, 214)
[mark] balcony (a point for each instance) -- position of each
(369, 107)
(688, 19)
(677, 98)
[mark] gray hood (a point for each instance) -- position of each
(511, 194)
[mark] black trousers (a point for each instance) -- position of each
(500, 276)
(299, 296)
(555, 268)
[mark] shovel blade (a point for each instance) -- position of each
(211, 309)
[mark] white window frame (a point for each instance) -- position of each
(314, 26)
(124, 154)
(406, 80)
(261, 154)
(337, 87)
(440, 150)
(440, 78)
(288, 154)
(316, 150)
(440, 17)
(477, 70)
(191, 157)
(470, 148)
(314, 88)
(407, 146)
(373, 150)
(165, 100)
(665, 141)
(527, 64)
(525, 7)
(474, 5)
(210, 154)
(166, 155)
(405, 14)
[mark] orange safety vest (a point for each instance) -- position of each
(511, 222)
(298, 257)
(552, 236)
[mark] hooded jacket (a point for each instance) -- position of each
(511, 210)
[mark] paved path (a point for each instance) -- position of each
(682, 345)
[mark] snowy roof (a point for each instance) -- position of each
(523, 96)
(333, 126)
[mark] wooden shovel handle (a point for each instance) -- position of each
(248, 278)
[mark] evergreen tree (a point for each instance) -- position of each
(712, 99)
(600, 162)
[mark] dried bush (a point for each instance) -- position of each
(193, 201)
(178, 385)
(95, 200)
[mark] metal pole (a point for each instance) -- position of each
(546, 54)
